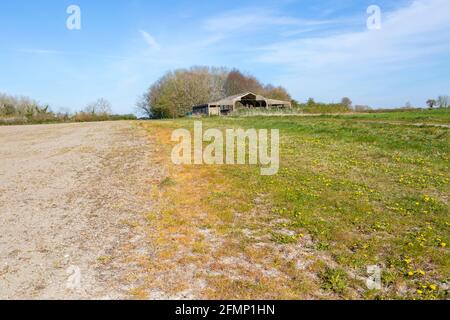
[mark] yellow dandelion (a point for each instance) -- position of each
(433, 287)
(443, 244)
(421, 272)
(411, 273)
(419, 291)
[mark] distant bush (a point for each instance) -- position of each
(404, 109)
(89, 117)
(115, 117)
(362, 108)
(263, 111)
(312, 106)
(326, 108)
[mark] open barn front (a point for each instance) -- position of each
(251, 101)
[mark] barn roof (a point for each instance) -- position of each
(231, 100)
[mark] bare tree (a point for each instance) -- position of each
(144, 106)
(443, 101)
(99, 107)
(20, 106)
(217, 80)
(278, 93)
(237, 83)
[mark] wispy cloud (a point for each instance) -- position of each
(314, 48)
(150, 40)
(39, 51)
(411, 36)
(254, 19)
(420, 29)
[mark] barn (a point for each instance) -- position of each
(244, 100)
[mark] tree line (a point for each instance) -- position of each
(344, 106)
(441, 102)
(174, 94)
(24, 110)
(20, 106)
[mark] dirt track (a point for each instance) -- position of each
(68, 196)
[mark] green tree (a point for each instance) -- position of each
(311, 102)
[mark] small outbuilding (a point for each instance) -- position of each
(244, 100)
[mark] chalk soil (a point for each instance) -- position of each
(69, 195)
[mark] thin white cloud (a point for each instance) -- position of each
(414, 42)
(150, 40)
(418, 30)
(332, 63)
(252, 19)
(39, 51)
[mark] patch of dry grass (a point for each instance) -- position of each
(349, 194)
(226, 246)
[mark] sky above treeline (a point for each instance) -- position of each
(320, 49)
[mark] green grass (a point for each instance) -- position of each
(440, 116)
(366, 193)
(425, 116)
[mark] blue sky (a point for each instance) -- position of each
(319, 49)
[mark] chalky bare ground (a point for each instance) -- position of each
(68, 194)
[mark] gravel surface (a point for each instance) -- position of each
(69, 195)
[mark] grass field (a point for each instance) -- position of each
(424, 116)
(352, 191)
